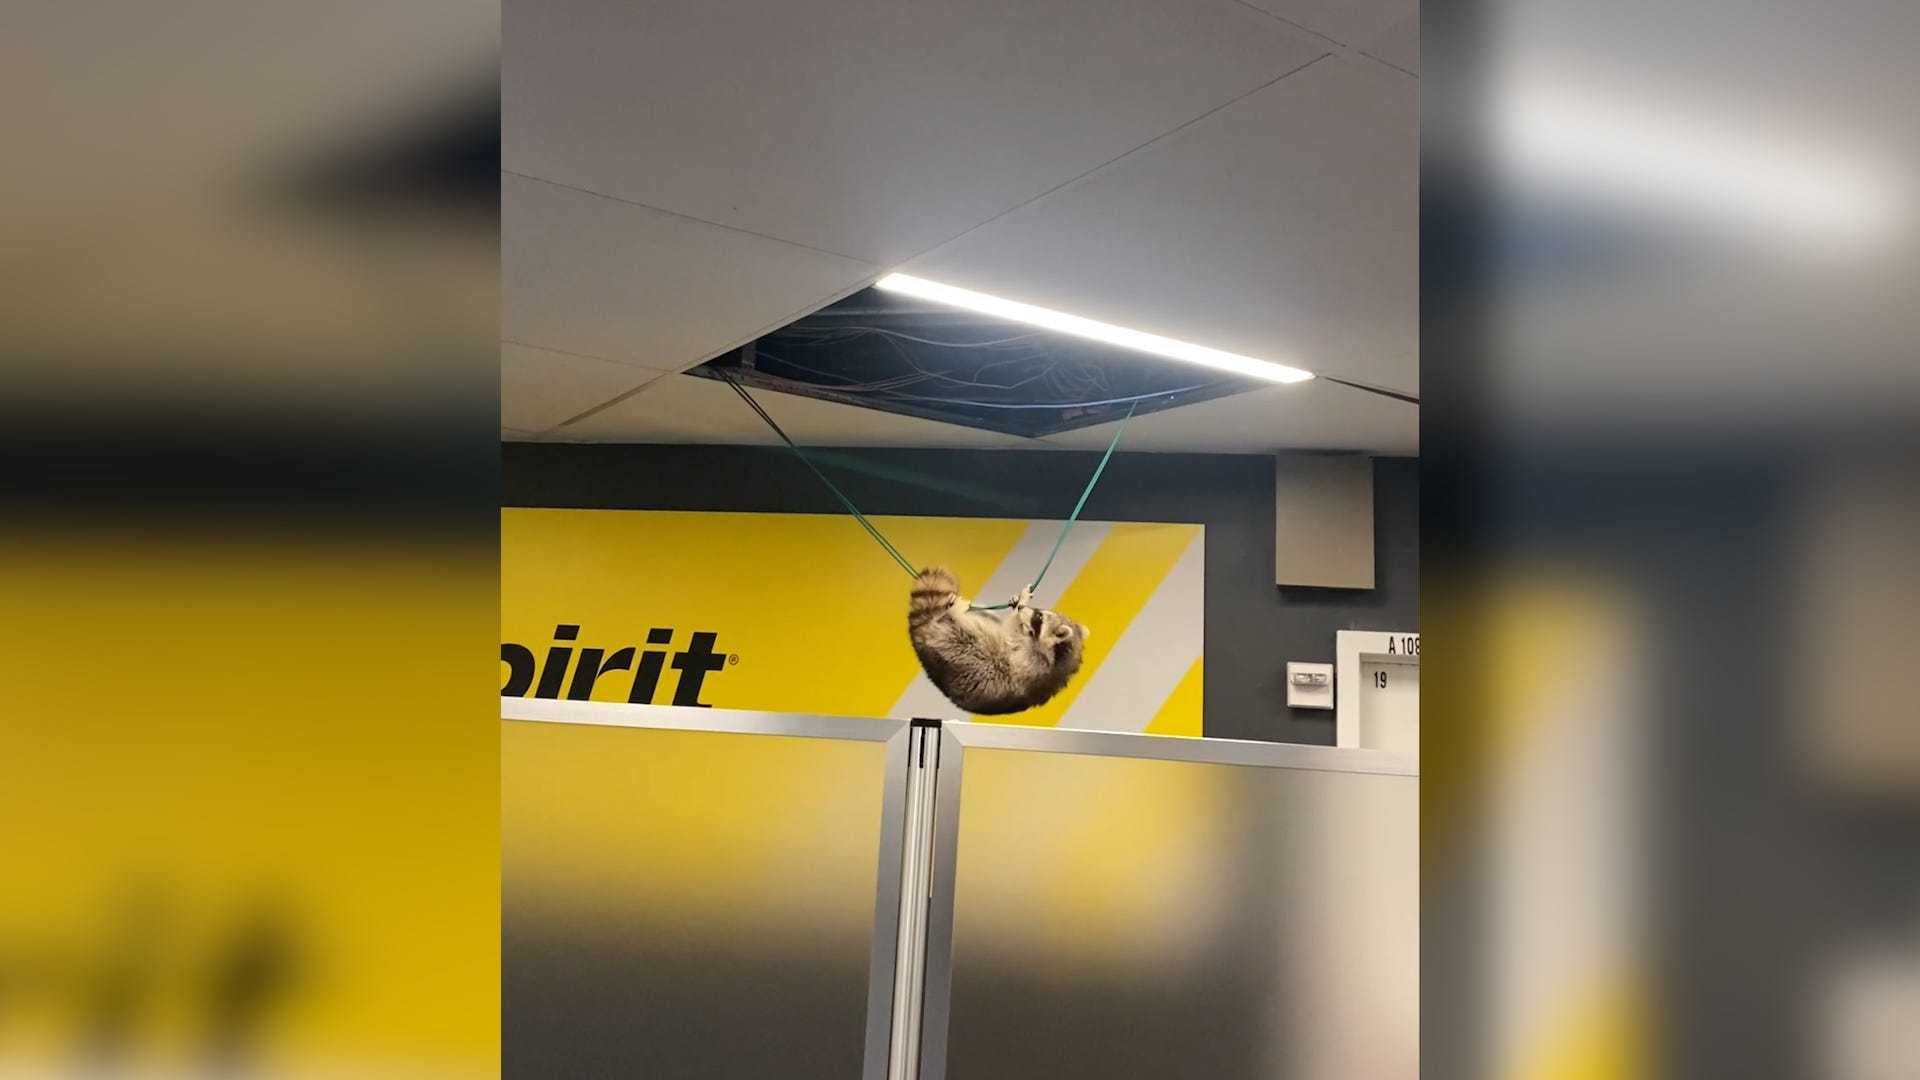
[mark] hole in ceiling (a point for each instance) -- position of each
(444, 163)
(897, 354)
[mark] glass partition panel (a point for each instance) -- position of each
(1129, 917)
(686, 903)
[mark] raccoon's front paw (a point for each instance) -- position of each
(1023, 598)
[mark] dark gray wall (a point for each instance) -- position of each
(1252, 626)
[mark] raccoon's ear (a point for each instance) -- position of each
(1086, 632)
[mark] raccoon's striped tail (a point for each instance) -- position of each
(934, 591)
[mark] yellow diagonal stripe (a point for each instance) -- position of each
(1535, 634)
(1110, 591)
(1603, 1038)
(1180, 713)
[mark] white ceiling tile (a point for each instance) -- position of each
(600, 277)
(508, 434)
(1398, 44)
(1349, 22)
(1285, 226)
(540, 388)
(689, 409)
(871, 128)
(1307, 416)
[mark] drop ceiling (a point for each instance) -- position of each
(680, 182)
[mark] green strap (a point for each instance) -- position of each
(844, 501)
(1077, 507)
(875, 533)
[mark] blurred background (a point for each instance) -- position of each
(248, 766)
(1672, 777)
(1672, 763)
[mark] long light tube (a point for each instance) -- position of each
(1092, 329)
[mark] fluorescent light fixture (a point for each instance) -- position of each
(1709, 170)
(1061, 322)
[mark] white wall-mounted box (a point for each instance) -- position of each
(1377, 690)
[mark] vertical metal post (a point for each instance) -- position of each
(916, 871)
(886, 957)
(943, 847)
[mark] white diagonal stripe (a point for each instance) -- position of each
(1082, 542)
(920, 698)
(1153, 654)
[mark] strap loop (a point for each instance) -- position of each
(1077, 507)
(808, 462)
(890, 549)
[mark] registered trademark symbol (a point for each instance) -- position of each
(732, 659)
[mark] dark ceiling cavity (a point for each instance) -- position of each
(443, 162)
(902, 355)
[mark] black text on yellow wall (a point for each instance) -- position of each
(694, 663)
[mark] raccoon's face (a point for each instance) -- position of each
(1059, 634)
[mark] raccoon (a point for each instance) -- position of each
(991, 662)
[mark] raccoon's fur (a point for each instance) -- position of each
(991, 662)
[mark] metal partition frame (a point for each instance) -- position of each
(956, 738)
(891, 860)
(911, 964)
